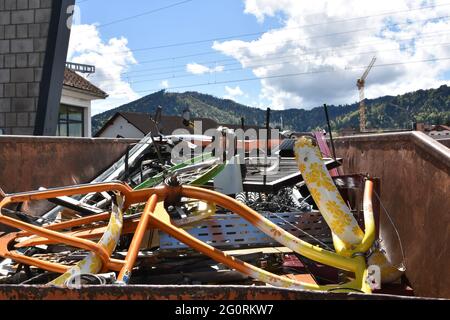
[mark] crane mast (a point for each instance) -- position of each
(361, 83)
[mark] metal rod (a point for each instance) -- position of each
(155, 121)
(158, 153)
(268, 151)
(127, 165)
(329, 129)
(243, 165)
(133, 250)
(225, 146)
(267, 144)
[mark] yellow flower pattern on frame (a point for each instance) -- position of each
(338, 226)
(304, 142)
(93, 263)
(318, 177)
(302, 168)
(315, 194)
(338, 213)
(346, 232)
(358, 232)
(325, 194)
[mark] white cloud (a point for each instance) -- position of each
(199, 69)
(233, 93)
(262, 8)
(165, 84)
(331, 63)
(111, 59)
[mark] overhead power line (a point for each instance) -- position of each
(278, 63)
(295, 74)
(143, 13)
(193, 55)
(324, 35)
(170, 45)
(267, 65)
(321, 50)
(181, 67)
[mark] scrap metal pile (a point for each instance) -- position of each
(147, 220)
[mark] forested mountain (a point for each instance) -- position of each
(428, 106)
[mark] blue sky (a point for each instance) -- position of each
(196, 20)
(325, 44)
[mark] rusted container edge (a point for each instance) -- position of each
(24, 139)
(179, 293)
(421, 140)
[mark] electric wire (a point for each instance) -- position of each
(144, 13)
(266, 65)
(173, 76)
(332, 49)
(302, 231)
(171, 45)
(291, 75)
(402, 267)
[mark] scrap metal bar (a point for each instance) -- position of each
(286, 181)
(268, 152)
(72, 223)
(265, 225)
(329, 129)
(133, 250)
(77, 206)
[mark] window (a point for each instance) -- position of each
(70, 122)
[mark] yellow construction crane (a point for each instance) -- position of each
(361, 83)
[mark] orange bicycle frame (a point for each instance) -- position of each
(171, 194)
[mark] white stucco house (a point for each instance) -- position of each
(134, 125)
(75, 111)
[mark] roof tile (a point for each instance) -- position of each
(74, 80)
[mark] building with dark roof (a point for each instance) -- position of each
(138, 125)
(434, 131)
(76, 82)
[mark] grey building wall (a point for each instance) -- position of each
(24, 27)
